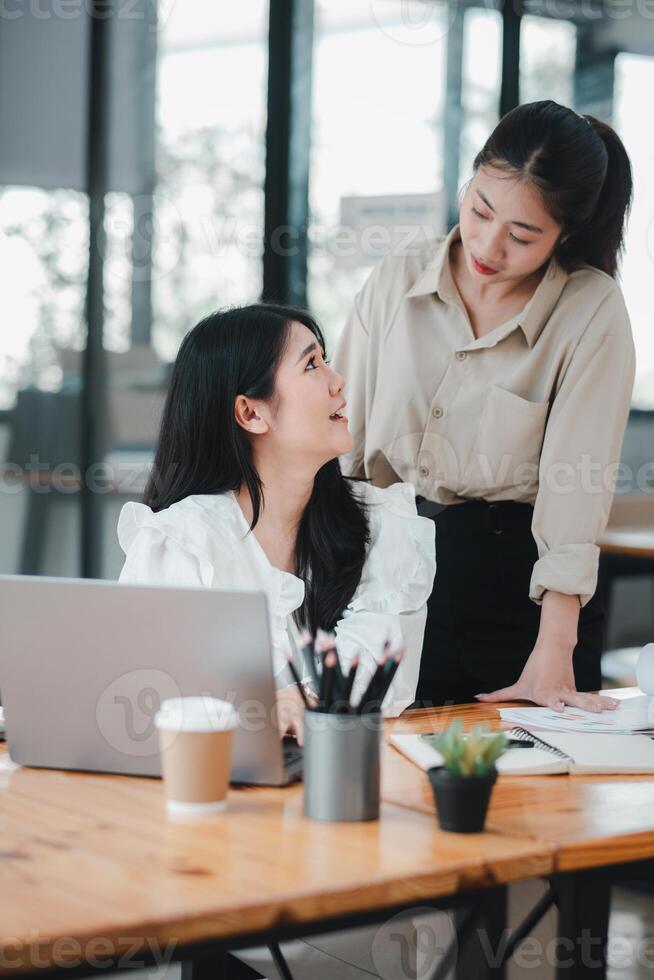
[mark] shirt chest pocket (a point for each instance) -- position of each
(509, 438)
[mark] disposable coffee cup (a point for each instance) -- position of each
(195, 739)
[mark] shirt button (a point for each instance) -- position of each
(461, 355)
(437, 413)
(424, 471)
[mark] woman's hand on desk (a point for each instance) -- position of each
(548, 679)
(290, 713)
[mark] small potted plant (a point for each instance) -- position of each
(463, 785)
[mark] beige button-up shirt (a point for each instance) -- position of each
(534, 411)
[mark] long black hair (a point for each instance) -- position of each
(203, 450)
(582, 170)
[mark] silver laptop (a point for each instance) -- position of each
(84, 666)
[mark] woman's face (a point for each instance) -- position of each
(506, 233)
(305, 415)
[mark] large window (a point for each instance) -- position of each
(211, 118)
(43, 241)
(547, 60)
(379, 158)
(376, 156)
(634, 85)
(480, 82)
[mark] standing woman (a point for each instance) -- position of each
(493, 369)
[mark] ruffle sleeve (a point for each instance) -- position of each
(390, 601)
(162, 549)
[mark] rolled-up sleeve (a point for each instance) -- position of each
(581, 454)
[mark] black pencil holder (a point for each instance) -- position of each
(341, 765)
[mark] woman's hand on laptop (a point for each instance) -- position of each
(290, 713)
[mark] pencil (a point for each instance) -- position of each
(329, 641)
(308, 652)
(347, 689)
(296, 678)
(366, 702)
(390, 671)
(328, 673)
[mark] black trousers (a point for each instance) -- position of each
(481, 623)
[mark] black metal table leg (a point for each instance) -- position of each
(481, 955)
(220, 966)
(584, 900)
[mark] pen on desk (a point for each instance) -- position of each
(328, 676)
(296, 678)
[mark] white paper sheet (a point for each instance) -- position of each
(634, 714)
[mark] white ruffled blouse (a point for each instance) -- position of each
(205, 541)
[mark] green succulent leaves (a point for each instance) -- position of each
(471, 754)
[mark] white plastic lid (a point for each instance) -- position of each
(645, 669)
(196, 714)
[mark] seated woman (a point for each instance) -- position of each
(246, 492)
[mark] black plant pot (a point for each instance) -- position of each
(461, 801)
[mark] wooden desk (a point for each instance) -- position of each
(600, 827)
(629, 542)
(89, 858)
(584, 818)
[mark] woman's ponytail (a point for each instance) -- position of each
(600, 242)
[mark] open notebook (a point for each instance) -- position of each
(563, 752)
